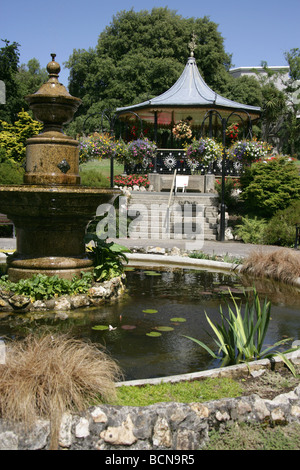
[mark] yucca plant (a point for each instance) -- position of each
(240, 337)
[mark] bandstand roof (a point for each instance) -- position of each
(189, 96)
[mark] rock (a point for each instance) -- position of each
(39, 305)
(82, 429)
(78, 301)
(62, 303)
(228, 234)
(98, 291)
(121, 435)
(175, 251)
(65, 433)
(99, 416)
(156, 250)
(162, 436)
(8, 440)
(19, 301)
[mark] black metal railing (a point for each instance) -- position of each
(167, 161)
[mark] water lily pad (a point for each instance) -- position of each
(150, 310)
(178, 320)
(152, 273)
(128, 327)
(153, 333)
(100, 327)
(164, 328)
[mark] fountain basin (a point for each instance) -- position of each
(50, 225)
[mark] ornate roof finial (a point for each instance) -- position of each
(193, 44)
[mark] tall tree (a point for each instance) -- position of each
(141, 54)
(9, 60)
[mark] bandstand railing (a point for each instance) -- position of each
(167, 161)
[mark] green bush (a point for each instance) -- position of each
(251, 230)
(231, 185)
(270, 186)
(10, 171)
(41, 286)
(13, 137)
(281, 228)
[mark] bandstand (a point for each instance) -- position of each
(190, 99)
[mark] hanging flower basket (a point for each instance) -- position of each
(182, 131)
(204, 151)
(140, 151)
(96, 147)
(249, 151)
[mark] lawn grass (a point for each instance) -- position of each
(103, 167)
(182, 392)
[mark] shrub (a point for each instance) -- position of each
(13, 137)
(251, 230)
(10, 172)
(281, 228)
(231, 185)
(270, 186)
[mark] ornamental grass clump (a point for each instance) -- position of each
(282, 264)
(46, 376)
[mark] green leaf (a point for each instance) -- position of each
(152, 273)
(149, 310)
(153, 334)
(178, 319)
(100, 327)
(164, 328)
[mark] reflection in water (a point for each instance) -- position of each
(174, 293)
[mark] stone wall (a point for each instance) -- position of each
(159, 427)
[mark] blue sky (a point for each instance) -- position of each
(253, 30)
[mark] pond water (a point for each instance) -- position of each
(174, 299)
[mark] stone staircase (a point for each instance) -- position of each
(183, 216)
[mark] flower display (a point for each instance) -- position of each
(232, 131)
(182, 131)
(205, 151)
(96, 147)
(131, 180)
(249, 151)
(141, 151)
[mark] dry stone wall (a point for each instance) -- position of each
(163, 426)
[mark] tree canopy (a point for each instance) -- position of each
(141, 54)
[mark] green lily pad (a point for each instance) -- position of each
(178, 320)
(150, 310)
(100, 327)
(153, 334)
(152, 273)
(164, 328)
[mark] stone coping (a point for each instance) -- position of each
(156, 260)
(238, 370)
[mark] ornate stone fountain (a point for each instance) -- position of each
(51, 210)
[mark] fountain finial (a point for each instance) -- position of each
(53, 68)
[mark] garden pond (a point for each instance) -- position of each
(144, 330)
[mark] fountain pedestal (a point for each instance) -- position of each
(51, 211)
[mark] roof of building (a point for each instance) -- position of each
(189, 96)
